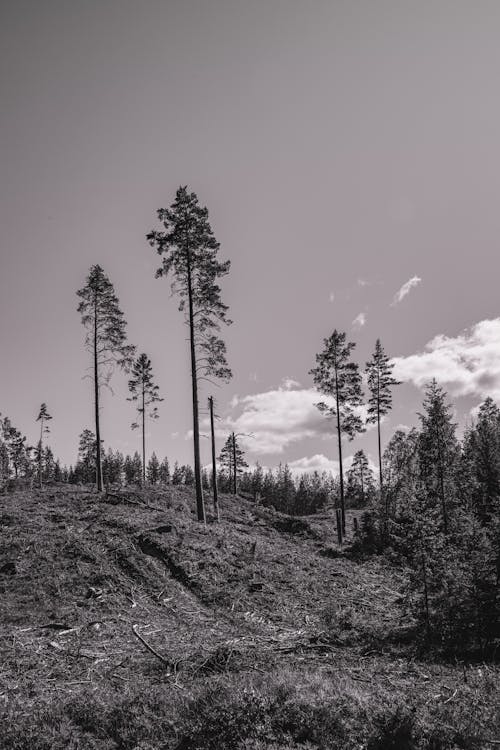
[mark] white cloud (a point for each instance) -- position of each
(318, 462)
(289, 383)
(359, 321)
(466, 365)
(363, 282)
(405, 289)
(332, 297)
(271, 421)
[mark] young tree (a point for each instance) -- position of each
(190, 255)
(232, 461)
(165, 471)
(105, 340)
(336, 376)
(146, 394)
(85, 468)
(153, 472)
(43, 418)
(438, 452)
(380, 382)
(360, 483)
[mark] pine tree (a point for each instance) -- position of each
(43, 418)
(380, 381)
(336, 376)
(105, 340)
(484, 451)
(153, 471)
(146, 394)
(232, 462)
(190, 251)
(438, 452)
(178, 474)
(360, 483)
(165, 471)
(85, 469)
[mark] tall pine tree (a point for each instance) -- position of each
(338, 377)
(146, 394)
(43, 418)
(105, 340)
(190, 256)
(380, 382)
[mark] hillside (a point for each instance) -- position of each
(127, 624)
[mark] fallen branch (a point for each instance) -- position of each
(150, 648)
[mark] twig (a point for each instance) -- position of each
(150, 648)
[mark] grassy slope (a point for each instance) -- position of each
(264, 630)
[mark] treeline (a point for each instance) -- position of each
(439, 515)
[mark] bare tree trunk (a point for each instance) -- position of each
(341, 470)
(234, 465)
(214, 463)
(96, 403)
(40, 455)
(200, 506)
(143, 439)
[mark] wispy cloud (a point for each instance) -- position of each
(359, 321)
(405, 289)
(467, 365)
(331, 297)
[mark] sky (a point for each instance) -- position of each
(348, 154)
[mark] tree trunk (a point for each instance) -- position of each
(96, 402)
(214, 463)
(143, 439)
(341, 471)
(234, 465)
(200, 506)
(426, 595)
(40, 455)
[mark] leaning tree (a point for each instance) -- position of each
(338, 377)
(43, 418)
(105, 340)
(189, 251)
(146, 395)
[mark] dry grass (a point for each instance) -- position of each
(216, 610)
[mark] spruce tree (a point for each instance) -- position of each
(165, 471)
(438, 452)
(105, 340)
(146, 394)
(232, 461)
(190, 256)
(153, 471)
(360, 484)
(380, 382)
(43, 418)
(338, 377)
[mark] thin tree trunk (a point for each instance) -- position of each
(200, 506)
(214, 463)
(96, 402)
(40, 455)
(341, 471)
(143, 440)
(234, 465)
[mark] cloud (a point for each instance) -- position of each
(318, 462)
(289, 383)
(466, 365)
(331, 296)
(364, 282)
(405, 289)
(271, 421)
(359, 321)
